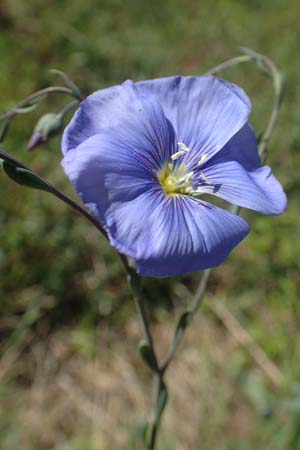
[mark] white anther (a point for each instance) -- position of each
(177, 155)
(183, 147)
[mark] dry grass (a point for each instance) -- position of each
(66, 394)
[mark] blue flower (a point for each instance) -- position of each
(142, 155)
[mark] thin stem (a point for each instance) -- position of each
(53, 190)
(140, 305)
(195, 304)
(32, 97)
(68, 107)
(227, 64)
(198, 297)
(134, 282)
(278, 88)
(158, 385)
(77, 208)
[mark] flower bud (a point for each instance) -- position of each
(48, 126)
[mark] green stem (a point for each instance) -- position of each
(229, 63)
(49, 90)
(158, 386)
(195, 304)
(141, 309)
(134, 282)
(53, 190)
(68, 107)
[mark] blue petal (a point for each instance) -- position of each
(235, 175)
(102, 171)
(241, 148)
(116, 165)
(204, 111)
(173, 235)
(258, 190)
(167, 235)
(116, 107)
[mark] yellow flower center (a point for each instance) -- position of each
(175, 180)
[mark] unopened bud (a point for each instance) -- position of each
(48, 126)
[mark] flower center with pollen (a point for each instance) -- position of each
(175, 180)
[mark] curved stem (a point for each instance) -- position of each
(229, 63)
(68, 107)
(36, 95)
(53, 190)
(267, 65)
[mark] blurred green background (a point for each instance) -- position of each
(70, 375)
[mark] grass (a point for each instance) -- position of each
(62, 386)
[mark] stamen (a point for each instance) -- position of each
(181, 152)
(186, 178)
(203, 177)
(177, 155)
(176, 180)
(202, 159)
(183, 146)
